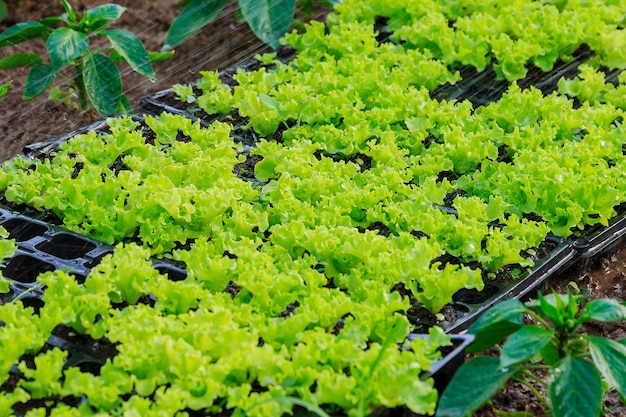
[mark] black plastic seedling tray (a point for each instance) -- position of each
(43, 247)
(599, 243)
(43, 149)
(51, 244)
(471, 304)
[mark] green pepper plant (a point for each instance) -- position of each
(269, 20)
(95, 77)
(580, 368)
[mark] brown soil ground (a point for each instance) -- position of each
(224, 43)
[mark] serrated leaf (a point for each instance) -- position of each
(576, 390)
(610, 359)
(131, 49)
(270, 102)
(102, 83)
(473, 384)
(496, 323)
(195, 15)
(269, 19)
(22, 32)
(65, 45)
(38, 79)
(523, 344)
(605, 310)
(20, 60)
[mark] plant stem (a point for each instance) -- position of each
(28, 291)
(296, 401)
(80, 85)
(534, 390)
(539, 319)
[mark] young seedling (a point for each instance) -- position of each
(94, 76)
(579, 366)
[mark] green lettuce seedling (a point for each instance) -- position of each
(579, 366)
(7, 249)
(94, 77)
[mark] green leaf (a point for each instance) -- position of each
(123, 105)
(102, 83)
(473, 384)
(38, 79)
(496, 323)
(576, 390)
(65, 45)
(269, 19)
(4, 88)
(20, 60)
(107, 12)
(100, 17)
(610, 359)
(131, 49)
(605, 310)
(50, 21)
(196, 15)
(3, 10)
(22, 32)
(550, 354)
(553, 306)
(160, 56)
(5, 285)
(524, 344)
(71, 15)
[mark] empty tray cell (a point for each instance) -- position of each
(22, 229)
(96, 259)
(7, 296)
(30, 301)
(473, 296)
(79, 276)
(66, 246)
(26, 268)
(173, 273)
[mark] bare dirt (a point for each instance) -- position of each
(224, 43)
